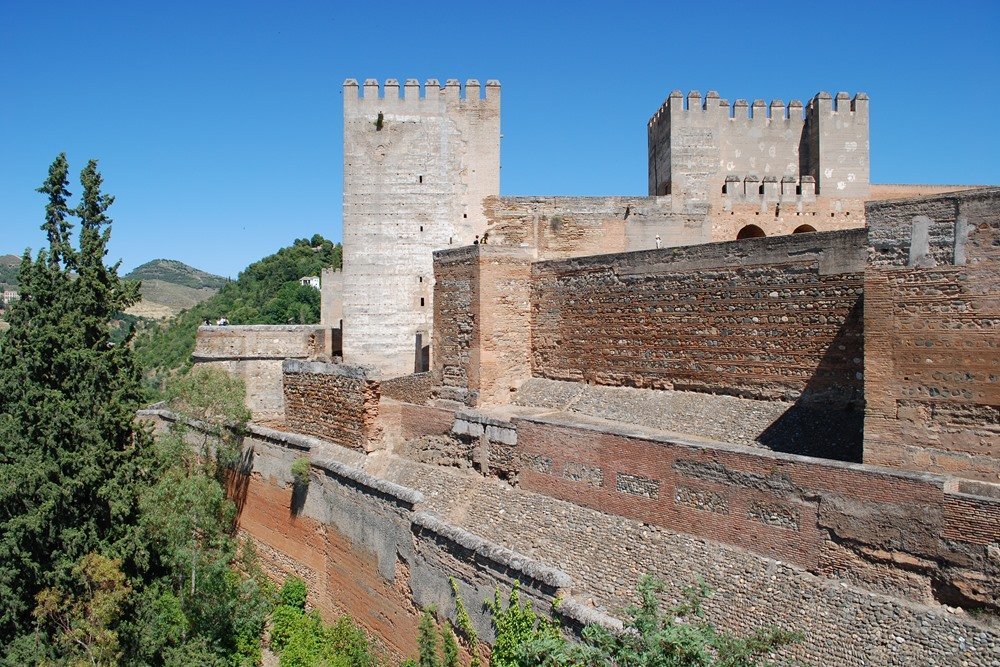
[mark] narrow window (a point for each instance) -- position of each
(421, 177)
(421, 302)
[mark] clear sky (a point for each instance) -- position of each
(218, 124)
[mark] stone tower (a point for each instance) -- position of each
(699, 146)
(417, 167)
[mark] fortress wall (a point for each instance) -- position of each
(332, 401)
(414, 388)
(481, 353)
(931, 335)
(771, 318)
(456, 306)
(903, 533)
(413, 185)
(365, 546)
(254, 353)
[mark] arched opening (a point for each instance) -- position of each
(801, 229)
(750, 232)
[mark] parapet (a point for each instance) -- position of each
(677, 102)
(432, 89)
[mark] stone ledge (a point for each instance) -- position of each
(404, 495)
(354, 372)
(508, 558)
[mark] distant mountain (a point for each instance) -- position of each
(178, 273)
(8, 269)
(169, 286)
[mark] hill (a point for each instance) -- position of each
(177, 273)
(169, 286)
(266, 292)
(8, 269)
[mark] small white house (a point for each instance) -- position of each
(9, 295)
(309, 281)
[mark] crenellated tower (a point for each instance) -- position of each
(701, 148)
(418, 163)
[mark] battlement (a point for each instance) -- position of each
(822, 102)
(432, 90)
(695, 142)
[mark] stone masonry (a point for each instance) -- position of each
(417, 168)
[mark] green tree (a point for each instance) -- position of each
(427, 641)
(71, 460)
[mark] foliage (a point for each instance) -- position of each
(82, 621)
(515, 624)
(303, 640)
(293, 593)
(676, 637)
(266, 292)
(449, 647)
(427, 641)
(72, 463)
(464, 623)
(8, 269)
(202, 587)
(115, 548)
(300, 471)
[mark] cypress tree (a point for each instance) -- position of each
(70, 455)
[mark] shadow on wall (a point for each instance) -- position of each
(237, 478)
(827, 421)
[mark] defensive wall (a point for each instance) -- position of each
(866, 553)
(255, 354)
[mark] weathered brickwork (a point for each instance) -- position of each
(931, 335)
(774, 330)
(332, 401)
(482, 310)
(840, 519)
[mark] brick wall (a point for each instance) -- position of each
(332, 401)
(482, 306)
(931, 343)
(772, 318)
(895, 531)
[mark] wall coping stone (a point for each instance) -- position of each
(492, 551)
(979, 192)
(754, 251)
(240, 328)
(405, 495)
(354, 372)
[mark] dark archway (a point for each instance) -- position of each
(750, 232)
(802, 229)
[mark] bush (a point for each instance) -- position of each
(300, 471)
(293, 593)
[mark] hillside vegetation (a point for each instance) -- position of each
(266, 292)
(8, 269)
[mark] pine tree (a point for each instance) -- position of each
(70, 457)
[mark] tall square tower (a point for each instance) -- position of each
(417, 168)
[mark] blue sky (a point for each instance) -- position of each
(218, 124)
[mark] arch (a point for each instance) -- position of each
(802, 229)
(750, 232)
